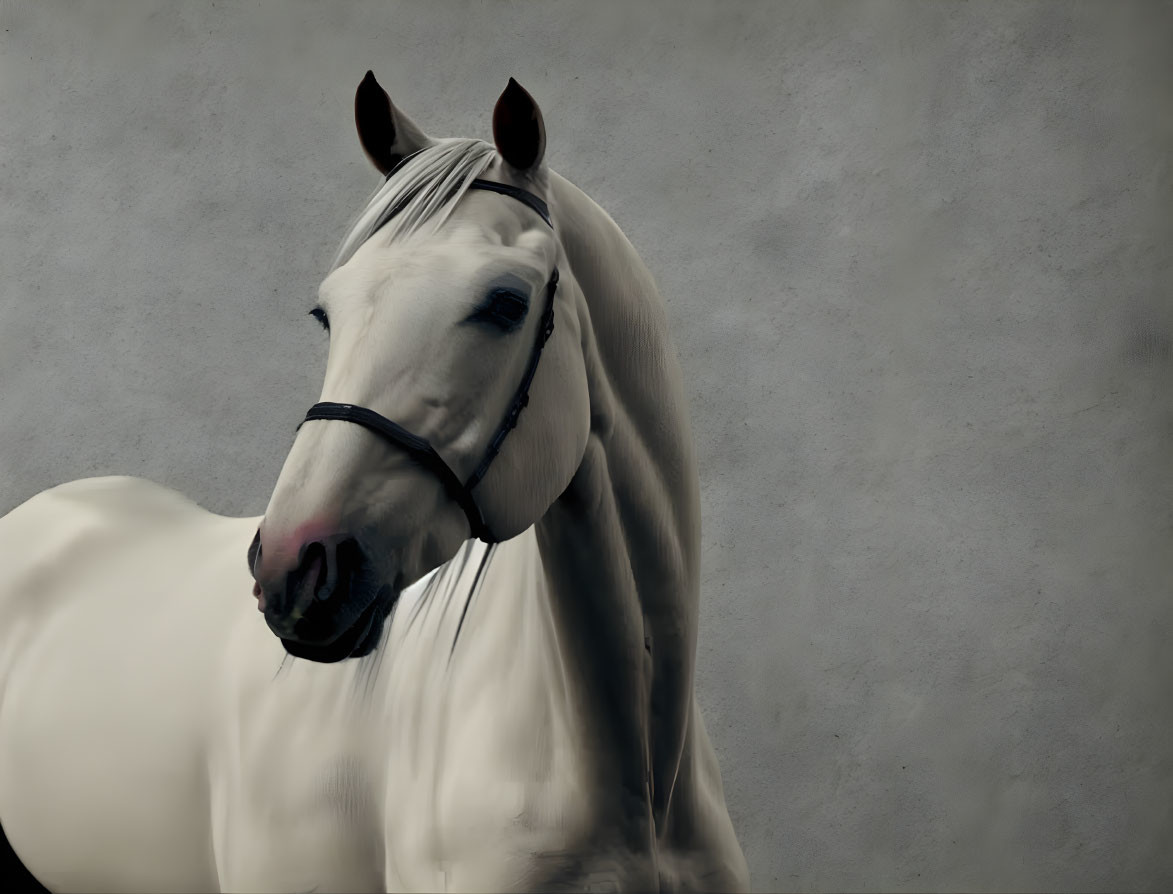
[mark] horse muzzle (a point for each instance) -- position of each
(328, 606)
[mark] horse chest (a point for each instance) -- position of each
(483, 772)
(406, 772)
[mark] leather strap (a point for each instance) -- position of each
(418, 447)
(422, 450)
(521, 396)
(523, 196)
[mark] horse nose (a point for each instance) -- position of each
(308, 581)
(318, 571)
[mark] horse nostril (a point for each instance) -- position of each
(348, 561)
(313, 560)
(327, 570)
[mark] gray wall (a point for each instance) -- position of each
(917, 261)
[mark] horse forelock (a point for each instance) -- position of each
(423, 189)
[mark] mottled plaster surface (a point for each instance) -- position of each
(917, 262)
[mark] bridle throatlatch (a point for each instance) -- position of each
(420, 449)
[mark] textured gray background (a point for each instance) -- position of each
(917, 261)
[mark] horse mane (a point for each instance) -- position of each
(424, 188)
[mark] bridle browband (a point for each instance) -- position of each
(419, 448)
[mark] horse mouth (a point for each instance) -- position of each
(360, 638)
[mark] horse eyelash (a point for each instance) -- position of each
(487, 311)
(320, 315)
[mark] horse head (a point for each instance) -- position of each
(438, 307)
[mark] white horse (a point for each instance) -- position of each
(526, 719)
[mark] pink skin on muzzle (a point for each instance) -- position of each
(317, 530)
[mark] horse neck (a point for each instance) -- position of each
(621, 545)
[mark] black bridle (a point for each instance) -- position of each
(419, 448)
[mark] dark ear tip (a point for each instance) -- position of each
(369, 80)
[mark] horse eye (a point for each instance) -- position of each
(503, 308)
(320, 315)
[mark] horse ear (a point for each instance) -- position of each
(387, 135)
(518, 129)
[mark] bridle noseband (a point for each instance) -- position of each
(419, 448)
